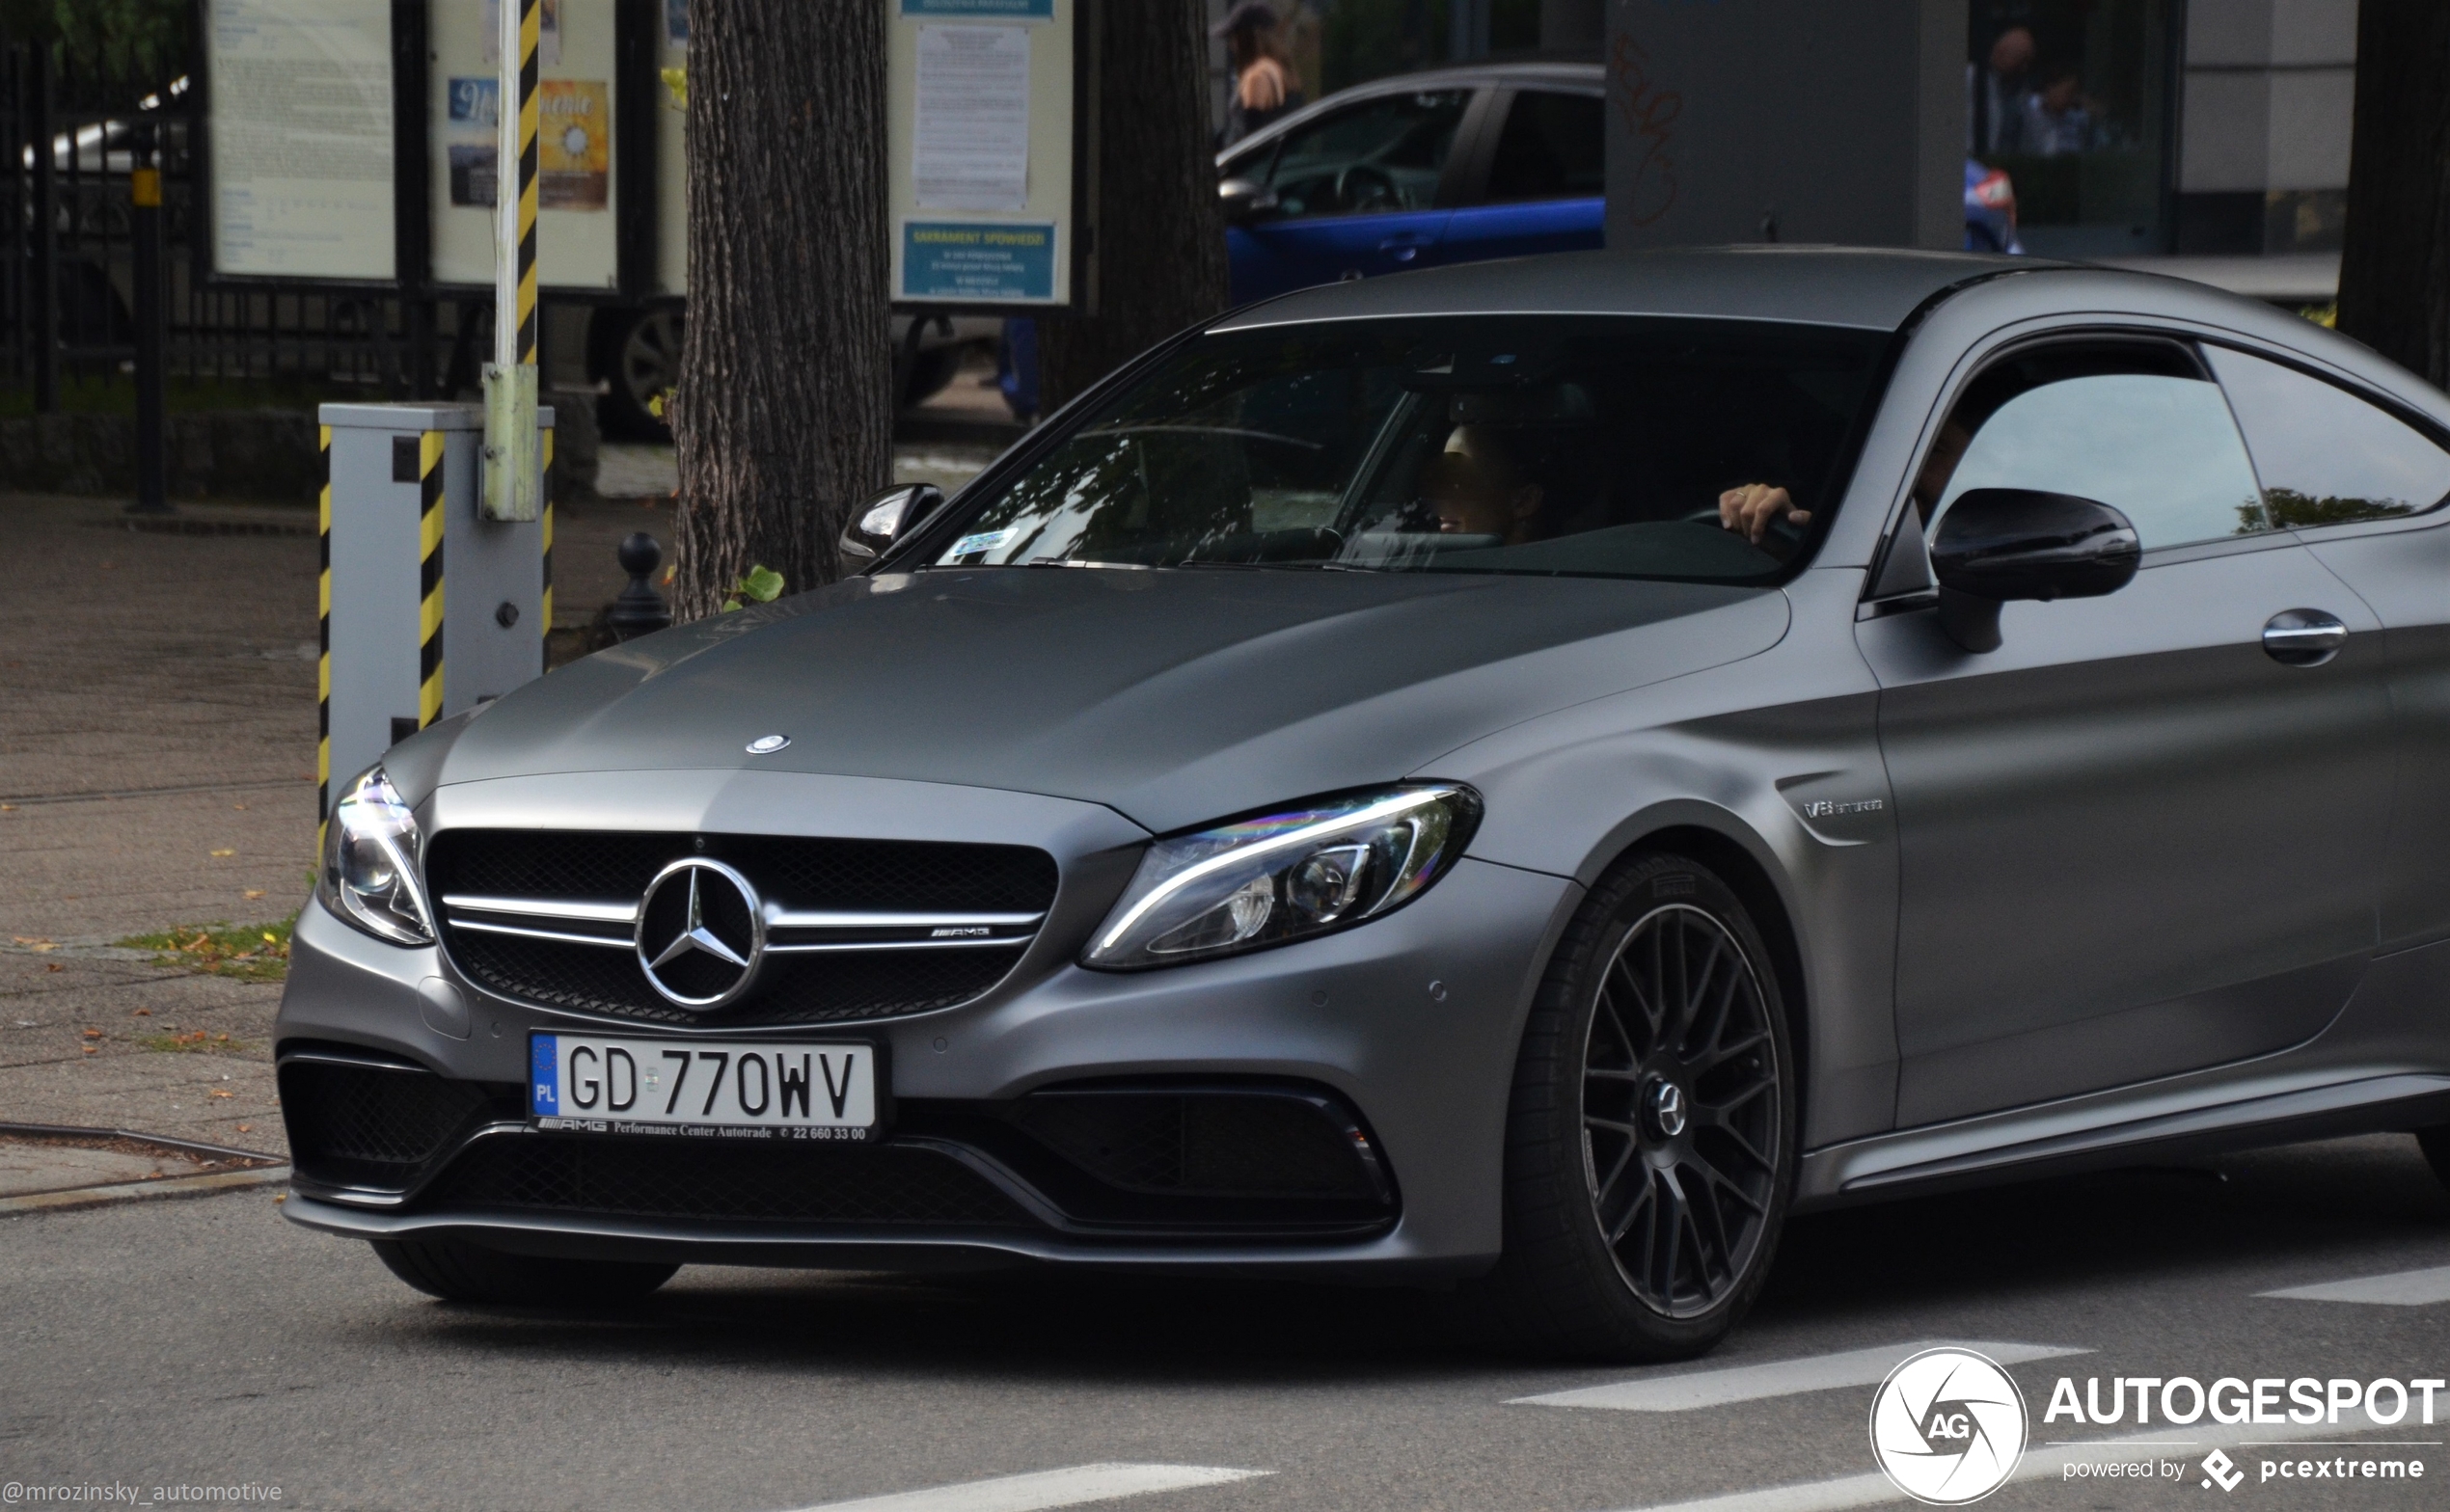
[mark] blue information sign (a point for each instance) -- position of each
(983, 261)
(981, 9)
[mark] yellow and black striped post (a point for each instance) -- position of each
(510, 487)
(429, 578)
(544, 630)
(323, 665)
(530, 33)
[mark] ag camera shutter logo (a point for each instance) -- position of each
(1948, 1427)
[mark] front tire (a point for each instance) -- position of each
(1650, 1146)
(457, 1271)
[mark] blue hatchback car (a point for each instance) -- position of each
(1453, 166)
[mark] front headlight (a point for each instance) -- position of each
(1284, 876)
(369, 864)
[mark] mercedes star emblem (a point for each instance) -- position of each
(1667, 1108)
(701, 934)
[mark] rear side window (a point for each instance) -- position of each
(1553, 148)
(2326, 456)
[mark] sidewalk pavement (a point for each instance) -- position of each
(158, 735)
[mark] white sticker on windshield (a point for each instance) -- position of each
(983, 541)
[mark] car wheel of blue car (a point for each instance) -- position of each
(1649, 1155)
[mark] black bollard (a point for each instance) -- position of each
(639, 610)
(144, 224)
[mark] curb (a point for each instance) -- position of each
(190, 1147)
(139, 1191)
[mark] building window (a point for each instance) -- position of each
(2072, 99)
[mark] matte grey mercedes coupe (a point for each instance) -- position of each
(1522, 774)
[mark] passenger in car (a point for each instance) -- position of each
(1754, 507)
(1476, 487)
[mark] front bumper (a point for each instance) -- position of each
(1405, 1028)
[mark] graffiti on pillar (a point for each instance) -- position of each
(1648, 110)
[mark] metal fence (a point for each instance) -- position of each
(69, 135)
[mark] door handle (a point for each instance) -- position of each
(2304, 638)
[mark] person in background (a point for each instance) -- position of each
(1016, 368)
(1266, 87)
(2057, 119)
(1995, 96)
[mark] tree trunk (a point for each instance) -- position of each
(1160, 233)
(784, 412)
(2394, 274)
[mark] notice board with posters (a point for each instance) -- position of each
(578, 200)
(983, 106)
(299, 125)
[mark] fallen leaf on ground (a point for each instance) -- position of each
(240, 807)
(7, 809)
(246, 1128)
(94, 1034)
(218, 1093)
(251, 895)
(54, 967)
(142, 1013)
(92, 1050)
(225, 852)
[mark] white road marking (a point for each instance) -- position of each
(1068, 1487)
(2050, 1461)
(2404, 1290)
(1692, 1389)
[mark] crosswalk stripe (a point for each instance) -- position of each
(1693, 1389)
(1069, 1487)
(2045, 1462)
(2403, 1289)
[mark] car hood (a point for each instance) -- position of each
(1173, 697)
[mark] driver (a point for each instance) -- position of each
(1754, 507)
(1476, 488)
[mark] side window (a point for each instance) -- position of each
(1382, 154)
(2135, 427)
(1553, 148)
(2326, 456)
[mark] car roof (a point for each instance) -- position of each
(1569, 72)
(1862, 288)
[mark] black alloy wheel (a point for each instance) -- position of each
(1650, 1148)
(1680, 1111)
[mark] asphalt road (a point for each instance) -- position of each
(207, 1343)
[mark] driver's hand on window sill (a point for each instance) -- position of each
(1755, 508)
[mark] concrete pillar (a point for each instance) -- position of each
(1794, 120)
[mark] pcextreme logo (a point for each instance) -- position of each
(1948, 1427)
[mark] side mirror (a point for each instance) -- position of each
(885, 518)
(1245, 200)
(1997, 544)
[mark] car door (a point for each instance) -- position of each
(2363, 488)
(2135, 839)
(1360, 191)
(1543, 188)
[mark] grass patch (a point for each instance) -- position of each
(253, 953)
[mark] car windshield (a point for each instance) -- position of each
(1551, 445)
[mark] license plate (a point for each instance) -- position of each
(590, 1084)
